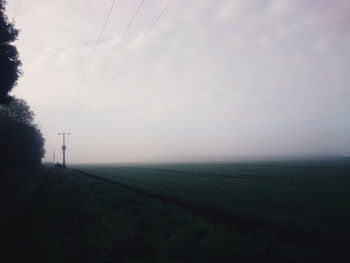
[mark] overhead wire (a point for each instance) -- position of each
(90, 59)
(119, 42)
(137, 46)
(139, 43)
(116, 48)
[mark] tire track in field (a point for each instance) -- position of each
(332, 243)
(237, 176)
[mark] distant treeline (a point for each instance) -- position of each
(21, 142)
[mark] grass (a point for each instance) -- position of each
(310, 195)
(295, 212)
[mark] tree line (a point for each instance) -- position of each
(21, 141)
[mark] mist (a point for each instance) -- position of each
(213, 81)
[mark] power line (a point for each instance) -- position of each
(119, 42)
(137, 45)
(91, 58)
(116, 48)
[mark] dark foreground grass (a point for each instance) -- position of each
(63, 216)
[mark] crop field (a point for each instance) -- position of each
(223, 212)
(303, 204)
(307, 196)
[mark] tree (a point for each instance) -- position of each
(17, 110)
(10, 63)
(21, 142)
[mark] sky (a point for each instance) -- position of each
(211, 81)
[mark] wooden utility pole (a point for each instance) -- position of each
(64, 147)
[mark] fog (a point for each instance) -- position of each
(212, 81)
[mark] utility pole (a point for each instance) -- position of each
(64, 147)
(54, 156)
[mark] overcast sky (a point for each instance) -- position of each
(214, 80)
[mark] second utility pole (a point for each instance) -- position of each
(64, 147)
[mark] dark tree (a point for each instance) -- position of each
(10, 64)
(21, 142)
(17, 110)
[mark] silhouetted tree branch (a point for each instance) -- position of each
(10, 63)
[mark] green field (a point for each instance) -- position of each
(223, 212)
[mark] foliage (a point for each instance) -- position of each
(9, 59)
(18, 110)
(21, 144)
